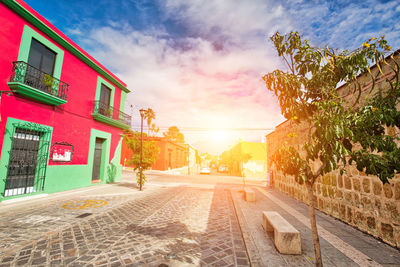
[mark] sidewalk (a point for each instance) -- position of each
(341, 244)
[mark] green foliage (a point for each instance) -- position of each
(111, 172)
(150, 150)
(234, 159)
(138, 178)
(340, 128)
(149, 116)
(173, 134)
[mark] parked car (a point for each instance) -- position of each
(205, 170)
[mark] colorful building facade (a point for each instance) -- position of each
(172, 155)
(61, 111)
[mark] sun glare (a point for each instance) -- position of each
(218, 135)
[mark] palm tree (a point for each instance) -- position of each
(149, 116)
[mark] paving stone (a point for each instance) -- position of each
(183, 225)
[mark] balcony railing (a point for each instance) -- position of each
(113, 116)
(26, 74)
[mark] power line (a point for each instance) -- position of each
(204, 129)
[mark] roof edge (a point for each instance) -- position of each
(38, 23)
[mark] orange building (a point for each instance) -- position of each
(172, 155)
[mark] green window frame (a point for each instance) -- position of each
(25, 46)
(101, 81)
(52, 96)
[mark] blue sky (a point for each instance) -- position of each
(199, 63)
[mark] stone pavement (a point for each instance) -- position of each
(166, 226)
(341, 244)
(172, 224)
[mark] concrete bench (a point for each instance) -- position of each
(286, 238)
(249, 195)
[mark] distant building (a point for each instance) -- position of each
(62, 112)
(172, 155)
(256, 166)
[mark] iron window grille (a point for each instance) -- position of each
(24, 73)
(26, 170)
(111, 112)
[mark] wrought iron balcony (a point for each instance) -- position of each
(46, 88)
(110, 115)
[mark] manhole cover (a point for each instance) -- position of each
(84, 204)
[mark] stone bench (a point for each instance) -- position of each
(286, 238)
(249, 195)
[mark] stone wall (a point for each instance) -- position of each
(355, 198)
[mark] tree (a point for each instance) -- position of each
(150, 152)
(234, 160)
(153, 130)
(149, 116)
(173, 134)
(341, 127)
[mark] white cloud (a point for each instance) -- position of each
(211, 76)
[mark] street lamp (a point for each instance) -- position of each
(142, 113)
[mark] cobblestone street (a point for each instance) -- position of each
(174, 221)
(174, 226)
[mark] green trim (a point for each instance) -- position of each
(60, 40)
(35, 94)
(116, 123)
(5, 155)
(25, 46)
(105, 157)
(98, 90)
(122, 101)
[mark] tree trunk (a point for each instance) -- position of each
(314, 230)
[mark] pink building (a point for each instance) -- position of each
(62, 112)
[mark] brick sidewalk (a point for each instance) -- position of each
(177, 226)
(341, 244)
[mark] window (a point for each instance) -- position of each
(37, 71)
(41, 57)
(105, 95)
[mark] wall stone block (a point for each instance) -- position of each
(366, 203)
(378, 207)
(397, 190)
(371, 224)
(349, 214)
(324, 190)
(339, 194)
(348, 198)
(377, 187)
(359, 220)
(393, 212)
(340, 181)
(356, 198)
(396, 232)
(331, 191)
(387, 188)
(356, 184)
(366, 185)
(342, 211)
(347, 182)
(387, 232)
(335, 209)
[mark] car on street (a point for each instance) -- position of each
(205, 170)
